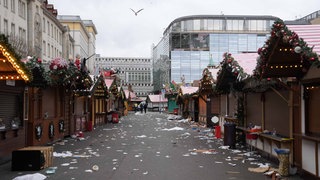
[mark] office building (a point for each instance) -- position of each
(189, 43)
(136, 72)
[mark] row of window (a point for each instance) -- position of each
(138, 76)
(221, 25)
(123, 69)
(51, 30)
(122, 60)
(21, 7)
(191, 63)
(50, 51)
(21, 34)
(136, 84)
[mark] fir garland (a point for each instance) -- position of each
(299, 46)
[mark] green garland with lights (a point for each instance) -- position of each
(5, 42)
(230, 71)
(280, 30)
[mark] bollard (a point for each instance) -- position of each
(217, 131)
(284, 164)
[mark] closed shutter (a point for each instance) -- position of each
(8, 107)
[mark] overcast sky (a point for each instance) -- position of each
(122, 34)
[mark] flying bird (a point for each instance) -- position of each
(136, 12)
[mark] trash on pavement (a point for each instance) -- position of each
(95, 168)
(35, 176)
(51, 170)
(173, 129)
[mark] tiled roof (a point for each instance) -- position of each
(108, 82)
(247, 61)
(189, 89)
(309, 33)
(129, 93)
(157, 98)
(214, 72)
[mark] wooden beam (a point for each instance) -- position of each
(277, 92)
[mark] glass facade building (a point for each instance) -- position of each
(191, 43)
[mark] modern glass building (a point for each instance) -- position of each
(190, 43)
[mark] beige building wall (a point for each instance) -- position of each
(83, 33)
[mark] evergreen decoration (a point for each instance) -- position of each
(230, 75)
(40, 76)
(206, 82)
(5, 42)
(299, 46)
(64, 73)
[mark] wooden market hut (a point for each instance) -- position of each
(187, 100)
(122, 104)
(286, 58)
(131, 99)
(171, 93)
(81, 102)
(98, 102)
(157, 102)
(13, 93)
(59, 105)
(306, 137)
(115, 101)
(234, 71)
(209, 101)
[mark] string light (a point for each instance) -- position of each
(14, 64)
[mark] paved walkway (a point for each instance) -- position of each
(149, 146)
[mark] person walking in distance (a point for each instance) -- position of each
(141, 107)
(145, 106)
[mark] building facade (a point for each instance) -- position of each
(190, 42)
(83, 33)
(13, 23)
(136, 72)
(31, 28)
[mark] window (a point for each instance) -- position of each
(5, 26)
(51, 30)
(20, 32)
(196, 25)
(44, 48)
(48, 48)
(13, 6)
(252, 25)
(189, 25)
(13, 29)
(217, 25)
(44, 25)
(22, 9)
(52, 52)
(48, 25)
(5, 3)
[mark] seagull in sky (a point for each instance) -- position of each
(136, 12)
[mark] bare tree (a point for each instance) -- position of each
(19, 45)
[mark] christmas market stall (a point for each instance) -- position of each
(81, 85)
(122, 103)
(286, 113)
(171, 94)
(13, 93)
(234, 70)
(187, 100)
(306, 133)
(112, 83)
(131, 98)
(209, 101)
(98, 102)
(58, 98)
(157, 102)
